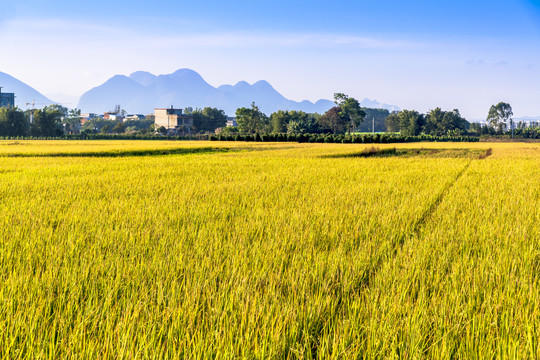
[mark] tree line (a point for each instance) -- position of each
(56, 121)
(436, 122)
(50, 121)
(342, 118)
(377, 138)
(346, 117)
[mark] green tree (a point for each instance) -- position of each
(59, 110)
(162, 130)
(119, 128)
(228, 131)
(302, 123)
(350, 110)
(499, 115)
(333, 121)
(96, 124)
(279, 120)
(294, 122)
(411, 122)
(48, 121)
(72, 122)
(439, 122)
(106, 129)
(475, 128)
(434, 122)
(455, 123)
(251, 120)
(13, 122)
(208, 119)
(393, 122)
(139, 125)
(375, 117)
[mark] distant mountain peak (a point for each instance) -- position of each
(242, 83)
(141, 73)
(263, 84)
(187, 74)
(23, 93)
(143, 77)
(119, 78)
(191, 78)
(185, 71)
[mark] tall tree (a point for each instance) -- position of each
(350, 110)
(302, 123)
(434, 122)
(411, 122)
(294, 122)
(12, 122)
(439, 122)
(208, 119)
(251, 120)
(499, 115)
(333, 121)
(392, 122)
(279, 120)
(454, 122)
(59, 110)
(48, 121)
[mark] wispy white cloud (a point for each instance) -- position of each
(244, 40)
(101, 35)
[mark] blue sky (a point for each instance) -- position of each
(414, 54)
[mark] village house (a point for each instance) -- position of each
(231, 122)
(173, 120)
(113, 116)
(135, 117)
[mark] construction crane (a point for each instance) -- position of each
(33, 103)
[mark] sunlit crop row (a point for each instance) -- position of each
(269, 250)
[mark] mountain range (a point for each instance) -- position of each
(142, 91)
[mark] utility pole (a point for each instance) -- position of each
(373, 125)
(33, 103)
(512, 127)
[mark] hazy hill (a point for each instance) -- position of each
(374, 104)
(142, 91)
(23, 93)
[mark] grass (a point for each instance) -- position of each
(437, 152)
(268, 250)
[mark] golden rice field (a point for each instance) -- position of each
(135, 250)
